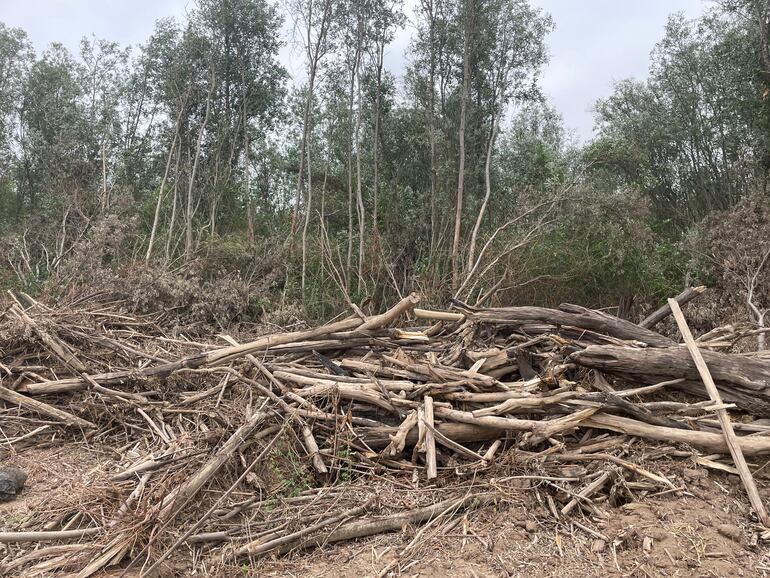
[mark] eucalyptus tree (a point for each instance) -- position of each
(16, 58)
(387, 18)
(102, 78)
(690, 136)
(515, 60)
(55, 166)
(314, 19)
(469, 15)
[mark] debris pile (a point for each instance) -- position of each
(192, 439)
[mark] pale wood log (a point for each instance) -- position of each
(438, 315)
(36, 406)
(6, 537)
(713, 442)
(660, 314)
(313, 451)
(571, 315)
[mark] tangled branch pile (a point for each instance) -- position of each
(194, 439)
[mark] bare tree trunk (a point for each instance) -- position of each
(429, 11)
(322, 214)
(350, 179)
(376, 143)
(763, 20)
(175, 192)
(487, 193)
(188, 248)
(158, 205)
(308, 207)
(247, 175)
(359, 196)
(314, 51)
(461, 172)
(353, 75)
(105, 192)
(302, 147)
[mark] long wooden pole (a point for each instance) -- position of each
(724, 419)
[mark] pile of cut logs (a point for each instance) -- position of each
(435, 394)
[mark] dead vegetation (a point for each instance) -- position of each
(208, 455)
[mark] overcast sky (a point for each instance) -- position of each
(594, 44)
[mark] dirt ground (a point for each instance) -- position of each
(704, 530)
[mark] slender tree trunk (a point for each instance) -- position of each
(376, 143)
(763, 21)
(431, 121)
(156, 218)
(105, 192)
(247, 167)
(308, 207)
(487, 193)
(175, 192)
(302, 147)
(348, 262)
(314, 51)
(188, 247)
(461, 171)
(322, 214)
(359, 195)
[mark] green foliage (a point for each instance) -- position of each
(249, 191)
(691, 136)
(602, 248)
(291, 472)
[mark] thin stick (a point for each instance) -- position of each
(256, 548)
(6, 537)
(724, 419)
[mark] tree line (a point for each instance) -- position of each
(456, 178)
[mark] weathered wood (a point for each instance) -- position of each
(712, 442)
(572, 315)
(747, 373)
(430, 440)
(380, 437)
(53, 344)
(189, 488)
(261, 546)
(8, 537)
(36, 406)
(664, 311)
(225, 355)
(724, 419)
(396, 522)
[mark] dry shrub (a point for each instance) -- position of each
(728, 252)
(229, 281)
